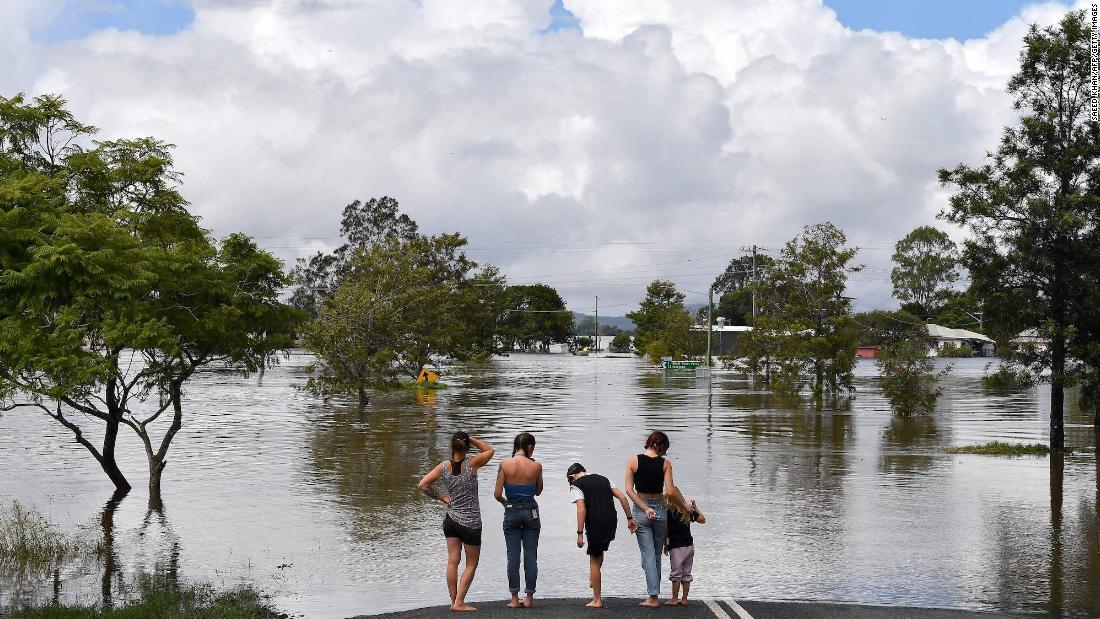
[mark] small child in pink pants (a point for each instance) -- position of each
(681, 549)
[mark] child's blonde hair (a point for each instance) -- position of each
(674, 509)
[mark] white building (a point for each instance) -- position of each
(983, 345)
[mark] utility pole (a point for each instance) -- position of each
(752, 283)
(710, 320)
(597, 323)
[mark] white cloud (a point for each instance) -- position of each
(667, 131)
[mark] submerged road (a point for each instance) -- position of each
(696, 609)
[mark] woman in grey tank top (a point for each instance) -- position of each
(462, 524)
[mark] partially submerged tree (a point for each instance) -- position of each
(110, 291)
(925, 266)
(1034, 207)
(535, 317)
(803, 333)
(662, 323)
(402, 303)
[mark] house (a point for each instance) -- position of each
(1031, 337)
(867, 352)
(983, 345)
(724, 338)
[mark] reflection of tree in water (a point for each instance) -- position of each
(1052, 565)
(911, 444)
(164, 566)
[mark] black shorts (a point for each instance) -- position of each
(596, 548)
(470, 537)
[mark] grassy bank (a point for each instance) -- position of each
(168, 602)
(30, 544)
(998, 448)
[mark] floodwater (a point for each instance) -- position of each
(316, 503)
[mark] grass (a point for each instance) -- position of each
(30, 544)
(998, 448)
(164, 601)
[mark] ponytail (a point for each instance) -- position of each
(525, 442)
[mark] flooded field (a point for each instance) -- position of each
(316, 503)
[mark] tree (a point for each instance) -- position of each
(735, 296)
(926, 265)
(908, 377)
(662, 317)
(363, 225)
(1034, 207)
(110, 292)
(880, 327)
(536, 316)
(402, 303)
(620, 343)
(803, 332)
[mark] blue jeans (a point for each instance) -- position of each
(521, 528)
(651, 542)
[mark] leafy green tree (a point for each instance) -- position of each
(363, 225)
(662, 317)
(402, 303)
(111, 295)
(926, 265)
(536, 316)
(735, 297)
(908, 377)
(881, 327)
(803, 333)
(620, 343)
(1032, 209)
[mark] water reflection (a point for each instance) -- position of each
(317, 502)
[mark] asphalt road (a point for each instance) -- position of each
(697, 609)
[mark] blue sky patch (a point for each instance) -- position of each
(562, 19)
(79, 18)
(928, 19)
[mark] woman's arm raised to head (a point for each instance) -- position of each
(482, 458)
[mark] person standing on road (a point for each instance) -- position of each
(462, 524)
(648, 481)
(520, 478)
(594, 496)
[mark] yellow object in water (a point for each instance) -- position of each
(427, 375)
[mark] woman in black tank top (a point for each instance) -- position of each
(648, 481)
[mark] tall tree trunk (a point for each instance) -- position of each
(107, 458)
(157, 461)
(1058, 361)
(364, 399)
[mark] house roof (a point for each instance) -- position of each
(947, 333)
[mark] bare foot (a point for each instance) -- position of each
(529, 602)
(683, 602)
(462, 608)
(514, 603)
(672, 603)
(651, 602)
(595, 604)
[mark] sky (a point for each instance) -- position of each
(593, 145)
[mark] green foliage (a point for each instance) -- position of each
(881, 327)
(926, 264)
(1008, 376)
(662, 318)
(110, 291)
(804, 333)
(908, 377)
(31, 546)
(403, 303)
(537, 319)
(656, 350)
(620, 343)
(160, 598)
(998, 448)
(1033, 210)
(951, 351)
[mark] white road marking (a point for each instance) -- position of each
(741, 612)
(717, 610)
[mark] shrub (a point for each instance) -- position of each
(1008, 377)
(997, 448)
(908, 377)
(620, 343)
(31, 545)
(656, 350)
(953, 351)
